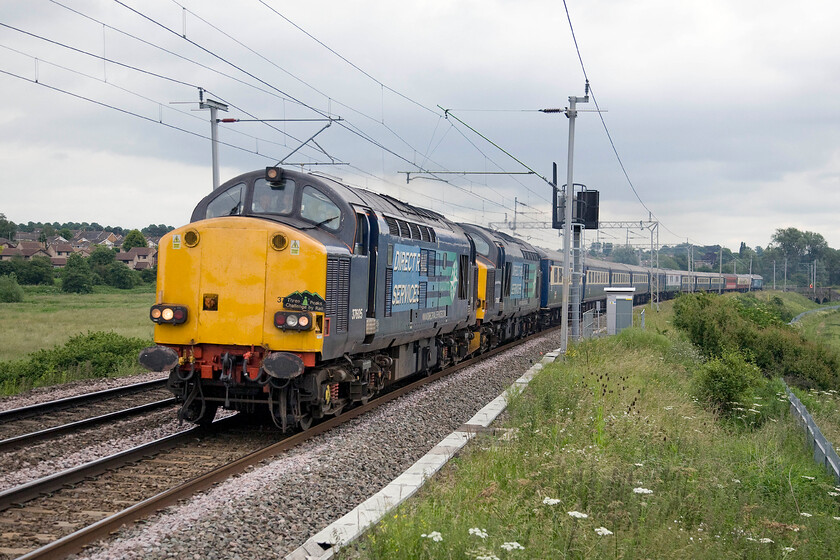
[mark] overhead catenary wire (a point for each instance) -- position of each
(348, 126)
(358, 131)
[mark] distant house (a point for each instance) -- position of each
(25, 254)
(30, 245)
(52, 240)
(27, 236)
(89, 239)
(60, 249)
(139, 258)
(5, 243)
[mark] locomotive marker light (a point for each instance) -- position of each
(292, 321)
(168, 314)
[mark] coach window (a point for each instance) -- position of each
(316, 207)
(228, 203)
(273, 198)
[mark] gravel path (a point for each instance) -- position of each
(274, 508)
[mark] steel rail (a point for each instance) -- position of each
(74, 542)
(18, 441)
(32, 410)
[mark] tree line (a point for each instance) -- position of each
(792, 255)
(8, 228)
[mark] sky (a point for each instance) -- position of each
(719, 120)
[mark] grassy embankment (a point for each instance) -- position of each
(823, 404)
(611, 455)
(46, 338)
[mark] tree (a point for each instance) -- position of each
(37, 270)
(159, 230)
(791, 242)
(76, 276)
(65, 233)
(625, 255)
(134, 239)
(120, 276)
(7, 228)
(99, 261)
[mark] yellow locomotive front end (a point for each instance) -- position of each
(239, 312)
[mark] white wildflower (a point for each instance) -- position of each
(803, 514)
(765, 540)
(669, 408)
(639, 464)
(550, 501)
(789, 549)
(808, 477)
(837, 519)
(736, 481)
(434, 535)
(603, 531)
(577, 514)
(512, 546)
(642, 491)
(487, 557)
(479, 532)
(834, 494)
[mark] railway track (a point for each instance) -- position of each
(22, 426)
(57, 516)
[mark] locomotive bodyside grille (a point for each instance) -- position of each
(491, 286)
(389, 285)
(338, 292)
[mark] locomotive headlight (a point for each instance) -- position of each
(292, 321)
(172, 314)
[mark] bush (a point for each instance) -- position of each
(37, 270)
(10, 290)
(149, 275)
(95, 354)
(723, 382)
(720, 325)
(120, 276)
(76, 276)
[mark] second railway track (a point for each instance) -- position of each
(87, 409)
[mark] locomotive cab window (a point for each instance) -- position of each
(228, 203)
(316, 207)
(271, 198)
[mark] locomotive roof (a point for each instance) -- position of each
(382, 203)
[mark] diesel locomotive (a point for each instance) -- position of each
(293, 294)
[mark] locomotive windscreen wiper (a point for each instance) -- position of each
(322, 222)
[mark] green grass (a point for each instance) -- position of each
(795, 303)
(48, 318)
(823, 326)
(619, 415)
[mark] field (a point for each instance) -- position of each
(48, 318)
